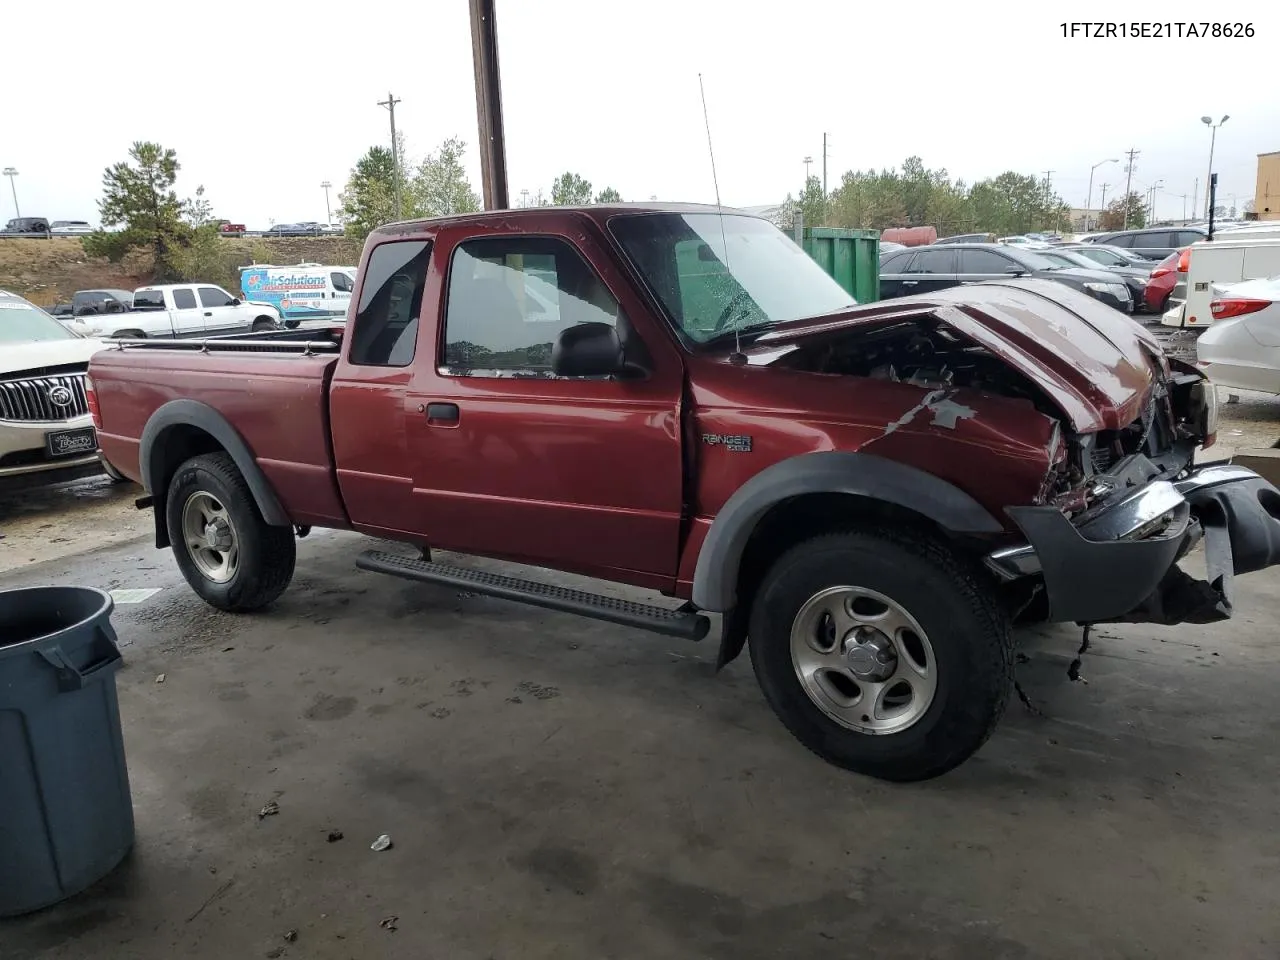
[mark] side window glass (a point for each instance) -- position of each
(983, 262)
(1125, 241)
(897, 263)
(213, 297)
(386, 322)
(509, 300)
(341, 282)
(934, 261)
(184, 299)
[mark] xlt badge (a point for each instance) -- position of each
(734, 443)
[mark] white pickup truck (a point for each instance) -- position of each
(182, 310)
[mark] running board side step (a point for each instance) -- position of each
(672, 623)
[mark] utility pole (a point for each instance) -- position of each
(11, 173)
(1195, 194)
(1151, 200)
(493, 142)
(328, 214)
(1131, 153)
(824, 165)
(390, 104)
(807, 162)
(1103, 205)
(1048, 178)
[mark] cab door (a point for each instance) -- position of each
(339, 292)
(221, 313)
(513, 461)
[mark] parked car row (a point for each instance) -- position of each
(167, 311)
(40, 227)
(937, 267)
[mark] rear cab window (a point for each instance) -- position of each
(184, 299)
(385, 329)
(151, 300)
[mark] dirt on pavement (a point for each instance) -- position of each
(68, 519)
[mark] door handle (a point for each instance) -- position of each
(442, 412)
(208, 313)
(910, 283)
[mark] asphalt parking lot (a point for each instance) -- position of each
(555, 787)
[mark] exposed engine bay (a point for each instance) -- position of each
(920, 353)
(925, 352)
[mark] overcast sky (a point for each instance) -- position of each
(263, 102)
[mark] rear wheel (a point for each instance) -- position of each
(229, 555)
(881, 653)
(262, 324)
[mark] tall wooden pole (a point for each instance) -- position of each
(493, 145)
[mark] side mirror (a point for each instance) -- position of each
(1016, 272)
(588, 350)
(236, 301)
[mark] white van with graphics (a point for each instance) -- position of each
(306, 291)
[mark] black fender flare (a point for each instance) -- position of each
(715, 576)
(193, 413)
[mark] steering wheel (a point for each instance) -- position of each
(729, 310)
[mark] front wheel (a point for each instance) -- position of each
(263, 324)
(881, 653)
(229, 555)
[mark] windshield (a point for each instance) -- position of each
(715, 274)
(1106, 257)
(24, 322)
(1058, 259)
(1033, 260)
(1075, 259)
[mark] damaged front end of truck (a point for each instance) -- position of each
(1121, 500)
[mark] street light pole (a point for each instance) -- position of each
(10, 172)
(1213, 137)
(328, 214)
(1089, 200)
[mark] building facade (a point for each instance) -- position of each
(1266, 202)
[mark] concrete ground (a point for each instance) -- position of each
(559, 788)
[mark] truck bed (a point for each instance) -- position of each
(272, 388)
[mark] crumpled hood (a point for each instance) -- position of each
(19, 357)
(1094, 362)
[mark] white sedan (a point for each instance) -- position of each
(1242, 348)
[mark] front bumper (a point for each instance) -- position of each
(1111, 569)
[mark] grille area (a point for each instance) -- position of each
(30, 399)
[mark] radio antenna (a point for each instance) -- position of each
(737, 357)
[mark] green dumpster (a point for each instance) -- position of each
(851, 257)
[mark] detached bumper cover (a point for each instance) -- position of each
(1107, 571)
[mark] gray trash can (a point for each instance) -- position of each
(66, 816)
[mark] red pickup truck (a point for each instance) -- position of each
(677, 398)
